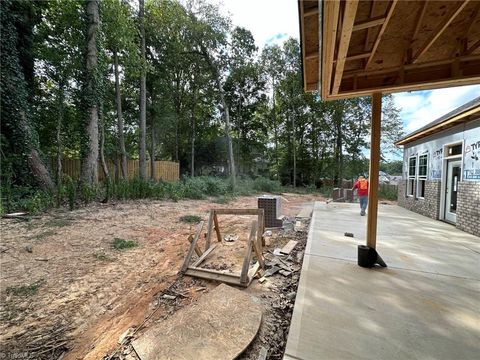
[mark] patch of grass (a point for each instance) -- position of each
(103, 257)
(326, 191)
(223, 199)
(44, 235)
(58, 223)
(25, 290)
(31, 225)
(190, 219)
(122, 244)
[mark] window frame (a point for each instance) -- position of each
(411, 178)
(421, 177)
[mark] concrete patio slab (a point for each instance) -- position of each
(425, 305)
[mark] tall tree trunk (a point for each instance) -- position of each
(102, 146)
(153, 146)
(143, 95)
(61, 108)
(16, 90)
(192, 161)
(178, 107)
(294, 146)
(35, 163)
(89, 170)
(121, 136)
(226, 114)
(275, 134)
(177, 120)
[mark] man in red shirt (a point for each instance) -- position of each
(362, 191)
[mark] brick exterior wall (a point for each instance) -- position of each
(429, 206)
(468, 207)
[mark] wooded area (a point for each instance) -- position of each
(165, 80)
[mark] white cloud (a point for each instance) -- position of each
(421, 107)
(270, 21)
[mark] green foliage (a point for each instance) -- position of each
(267, 185)
(388, 192)
(122, 244)
(326, 191)
(393, 167)
(29, 200)
(71, 191)
(25, 290)
(190, 219)
(88, 192)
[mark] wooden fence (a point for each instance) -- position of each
(164, 170)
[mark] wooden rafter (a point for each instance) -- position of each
(310, 12)
(331, 12)
(345, 35)
(302, 24)
(473, 47)
(357, 56)
(436, 34)
(379, 20)
(363, 72)
(419, 21)
(382, 30)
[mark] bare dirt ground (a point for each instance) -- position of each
(66, 292)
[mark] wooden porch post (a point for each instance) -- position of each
(374, 170)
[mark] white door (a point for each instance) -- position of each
(454, 170)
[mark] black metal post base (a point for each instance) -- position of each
(368, 257)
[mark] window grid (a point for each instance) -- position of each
(412, 167)
(422, 175)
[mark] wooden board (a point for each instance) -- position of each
(287, 249)
(219, 326)
(204, 255)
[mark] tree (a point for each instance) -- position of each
(120, 40)
(143, 93)
(244, 87)
(272, 65)
(18, 133)
(89, 153)
(209, 32)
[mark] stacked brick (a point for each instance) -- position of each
(429, 206)
(468, 207)
(272, 210)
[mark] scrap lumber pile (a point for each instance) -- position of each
(255, 245)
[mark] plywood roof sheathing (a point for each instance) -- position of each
(382, 30)
(436, 34)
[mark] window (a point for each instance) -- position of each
(454, 150)
(412, 167)
(422, 175)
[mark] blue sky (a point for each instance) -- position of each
(274, 21)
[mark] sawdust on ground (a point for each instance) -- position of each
(79, 293)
